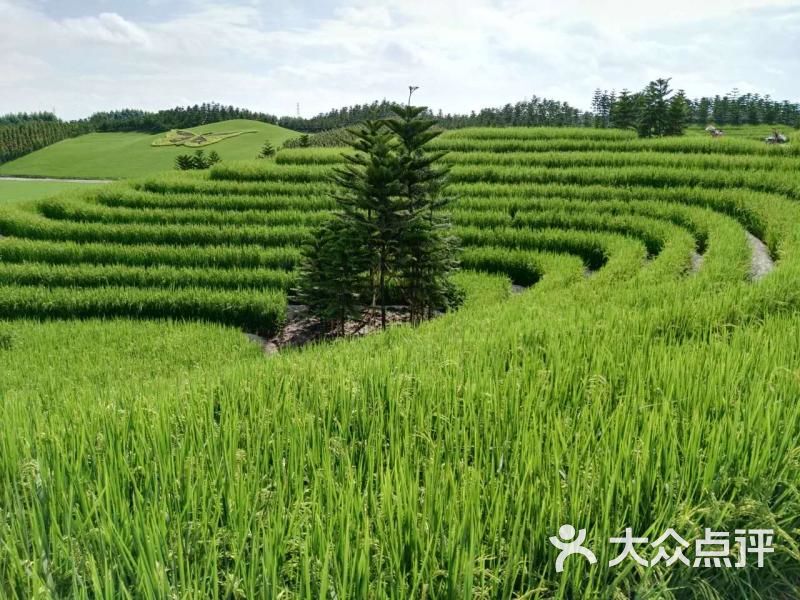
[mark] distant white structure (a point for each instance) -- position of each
(776, 138)
(714, 131)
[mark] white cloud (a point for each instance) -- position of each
(464, 55)
(107, 28)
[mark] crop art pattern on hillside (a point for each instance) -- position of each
(631, 386)
(180, 137)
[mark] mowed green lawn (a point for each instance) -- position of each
(122, 155)
(15, 191)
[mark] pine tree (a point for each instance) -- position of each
(199, 160)
(624, 111)
(654, 111)
(428, 256)
(389, 227)
(597, 101)
(370, 200)
(703, 112)
(332, 275)
(196, 161)
(678, 114)
(184, 162)
(267, 150)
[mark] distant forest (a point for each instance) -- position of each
(733, 108)
(22, 133)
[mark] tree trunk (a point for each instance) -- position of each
(382, 286)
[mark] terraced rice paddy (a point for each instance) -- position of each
(648, 378)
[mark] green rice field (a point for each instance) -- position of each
(643, 373)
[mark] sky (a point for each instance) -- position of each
(82, 56)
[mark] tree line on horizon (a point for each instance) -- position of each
(22, 133)
(612, 109)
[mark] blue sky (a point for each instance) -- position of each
(82, 56)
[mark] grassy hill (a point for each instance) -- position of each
(121, 155)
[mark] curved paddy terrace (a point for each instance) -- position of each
(431, 462)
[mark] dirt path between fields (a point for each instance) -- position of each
(54, 179)
(697, 262)
(761, 263)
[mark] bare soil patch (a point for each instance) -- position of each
(761, 263)
(697, 262)
(301, 329)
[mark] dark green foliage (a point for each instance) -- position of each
(369, 201)
(743, 109)
(197, 161)
(17, 118)
(602, 102)
(334, 275)
(267, 151)
(678, 114)
(303, 142)
(624, 111)
(184, 162)
(653, 112)
(534, 112)
(654, 109)
(751, 109)
(6, 340)
(173, 118)
(23, 134)
(389, 232)
(428, 250)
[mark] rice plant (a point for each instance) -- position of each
(641, 377)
